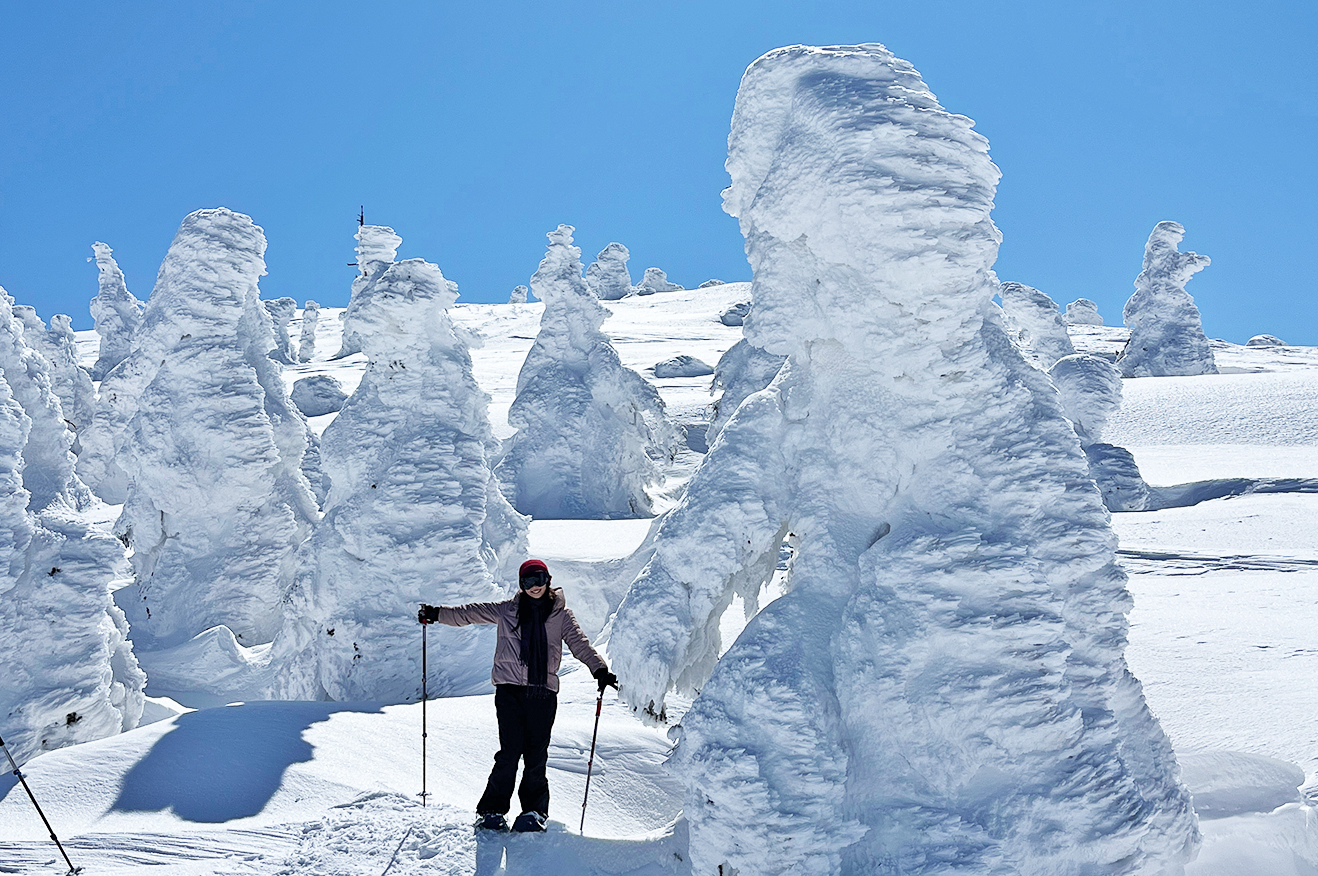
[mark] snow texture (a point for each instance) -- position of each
(1035, 325)
(1265, 341)
(1082, 311)
(69, 380)
(318, 395)
(306, 342)
(116, 311)
(942, 688)
(591, 434)
(682, 366)
(70, 674)
(282, 311)
(736, 314)
(414, 513)
(377, 247)
(518, 295)
(607, 276)
(1166, 335)
(711, 282)
(216, 502)
(654, 281)
(742, 371)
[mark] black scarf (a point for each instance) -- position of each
(531, 617)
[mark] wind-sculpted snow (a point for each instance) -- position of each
(1035, 324)
(318, 395)
(518, 295)
(414, 513)
(281, 312)
(655, 280)
(216, 503)
(1082, 311)
(116, 311)
(68, 380)
(1166, 335)
(590, 432)
(742, 370)
(306, 342)
(377, 247)
(942, 688)
(70, 674)
(607, 277)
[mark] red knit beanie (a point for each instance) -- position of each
(532, 565)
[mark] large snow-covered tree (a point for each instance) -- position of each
(591, 434)
(1035, 324)
(1166, 334)
(942, 689)
(377, 247)
(414, 513)
(306, 343)
(117, 313)
(216, 503)
(607, 276)
(68, 379)
(70, 673)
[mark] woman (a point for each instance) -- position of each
(532, 628)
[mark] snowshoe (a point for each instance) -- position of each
(529, 822)
(492, 821)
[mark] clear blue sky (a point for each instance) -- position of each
(475, 128)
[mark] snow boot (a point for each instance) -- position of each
(529, 822)
(493, 821)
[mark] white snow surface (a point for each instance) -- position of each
(1166, 334)
(942, 688)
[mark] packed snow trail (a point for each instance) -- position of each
(942, 689)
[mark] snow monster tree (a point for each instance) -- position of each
(1166, 334)
(942, 689)
(414, 513)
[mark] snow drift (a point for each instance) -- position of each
(942, 689)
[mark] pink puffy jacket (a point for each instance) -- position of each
(560, 627)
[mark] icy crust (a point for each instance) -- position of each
(607, 276)
(377, 247)
(414, 514)
(590, 431)
(70, 672)
(1166, 335)
(655, 280)
(116, 311)
(216, 503)
(942, 689)
(1035, 324)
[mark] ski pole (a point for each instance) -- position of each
(49, 829)
(590, 764)
(424, 697)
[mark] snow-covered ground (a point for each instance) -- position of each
(1222, 636)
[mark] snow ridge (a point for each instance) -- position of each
(942, 688)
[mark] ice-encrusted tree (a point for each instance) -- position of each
(70, 673)
(591, 434)
(1082, 311)
(608, 276)
(1090, 390)
(655, 280)
(68, 379)
(414, 513)
(215, 501)
(306, 342)
(1035, 324)
(942, 689)
(518, 295)
(742, 371)
(117, 313)
(1166, 334)
(281, 312)
(377, 247)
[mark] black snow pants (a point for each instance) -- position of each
(526, 717)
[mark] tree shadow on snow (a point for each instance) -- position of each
(224, 763)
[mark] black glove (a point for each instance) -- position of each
(605, 678)
(428, 614)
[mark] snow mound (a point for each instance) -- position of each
(682, 366)
(591, 434)
(1226, 783)
(318, 395)
(736, 314)
(655, 280)
(607, 276)
(1166, 334)
(1265, 341)
(1082, 311)
(942, 688)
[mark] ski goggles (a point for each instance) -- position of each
(533, 578)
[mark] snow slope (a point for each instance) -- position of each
(1221, 636)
